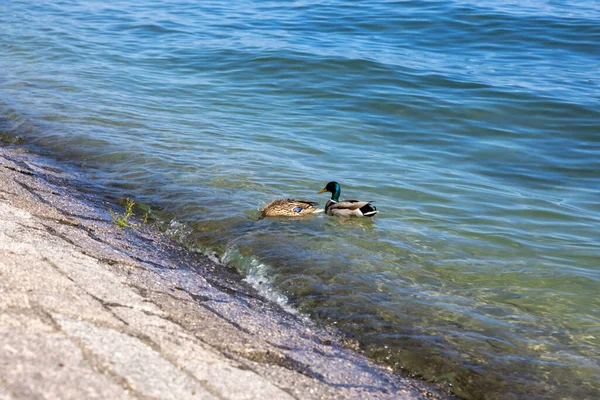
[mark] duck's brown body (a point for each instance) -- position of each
(289, 208)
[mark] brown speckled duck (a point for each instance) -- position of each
(289, 208)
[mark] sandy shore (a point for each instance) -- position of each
(92, 311)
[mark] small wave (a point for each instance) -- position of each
(258, 275)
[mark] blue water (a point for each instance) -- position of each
(473, 125)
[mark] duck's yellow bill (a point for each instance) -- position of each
(322, 190)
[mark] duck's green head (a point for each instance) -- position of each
(335, 190)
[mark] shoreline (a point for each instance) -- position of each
(98, 311)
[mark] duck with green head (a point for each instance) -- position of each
(346, 208)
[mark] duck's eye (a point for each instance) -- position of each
(297, 209)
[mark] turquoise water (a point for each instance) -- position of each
(473, 125)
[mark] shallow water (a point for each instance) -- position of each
(475, 126)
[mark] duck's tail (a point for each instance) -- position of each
(369, 210)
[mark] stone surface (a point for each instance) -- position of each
(39, 362)
(92, 311)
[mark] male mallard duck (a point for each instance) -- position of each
(289, 208)
(346, 208)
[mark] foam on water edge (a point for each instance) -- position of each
(258, 275)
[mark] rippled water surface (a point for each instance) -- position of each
(474, 125)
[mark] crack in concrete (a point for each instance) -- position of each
(281, 360)
(32, 191)
(265, 356)
(21, 171)
(98, 363)
(55, 233)
(127, 330)
(59, 221)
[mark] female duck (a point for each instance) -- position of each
(289, 208)
(346, 208)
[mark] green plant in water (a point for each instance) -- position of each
(122, 220)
